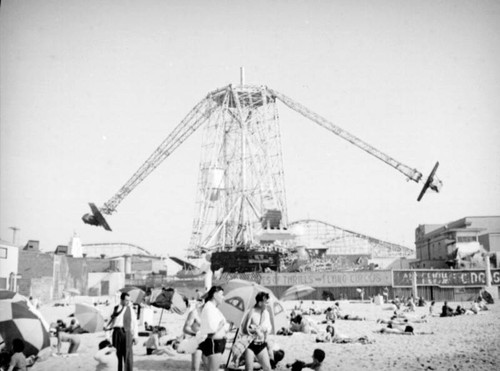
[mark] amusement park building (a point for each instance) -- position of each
(49, 275)
(439, 245)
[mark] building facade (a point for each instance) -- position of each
(463, 243)
(9, 255)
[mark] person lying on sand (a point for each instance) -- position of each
(347, 317)
(330, 336)
(313, 310)
(300, 323)
(350, 317)
(401, 321)
(401, 330)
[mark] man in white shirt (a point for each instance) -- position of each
(124, 323)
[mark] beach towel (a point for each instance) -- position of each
(239, 346)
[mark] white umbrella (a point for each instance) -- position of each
(89, 317)
(296, 292)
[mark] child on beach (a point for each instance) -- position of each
(316, 364)
(106, 357)
(18, 360)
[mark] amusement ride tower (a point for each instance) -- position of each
(241, 192)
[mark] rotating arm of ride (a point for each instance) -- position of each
(194, 119)
(431, 182)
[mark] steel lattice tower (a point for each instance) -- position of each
(241, 170)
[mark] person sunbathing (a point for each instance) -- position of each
(410, 306)
(329, 316)
(327, 336)
(330, 336)
(350, 317)
(75, 328)
(408, 330)
(401, 330)
(446, 310)
(400, 321)
(474, 308)
(302, 324)
(459, 311)
(347, 317)
(152, 344)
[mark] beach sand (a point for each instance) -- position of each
(458, 343)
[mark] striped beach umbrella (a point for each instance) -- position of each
(11, 295)
(16, 297)
(18, 321)
(169, 299)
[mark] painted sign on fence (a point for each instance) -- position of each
(445, 278)
(328, 279)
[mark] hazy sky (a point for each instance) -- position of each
(90, 88)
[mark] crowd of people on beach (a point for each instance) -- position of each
(206, 331)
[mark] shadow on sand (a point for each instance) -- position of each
(162, 364)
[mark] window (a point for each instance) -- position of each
(466, 238)
(3, 253)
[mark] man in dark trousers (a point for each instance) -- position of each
(124, 323)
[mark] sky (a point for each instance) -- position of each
(90, 88)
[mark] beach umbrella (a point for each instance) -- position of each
(17, 320)
(296, 292)
(241, 298)
(169, 299)
(16, 297)
(135, 293)
(236, 283)
(11, 295)
(89, 317)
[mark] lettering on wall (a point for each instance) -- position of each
(328, 279)
(446, 278)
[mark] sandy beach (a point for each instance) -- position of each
(458, 343)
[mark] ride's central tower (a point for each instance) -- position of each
(241, 188)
